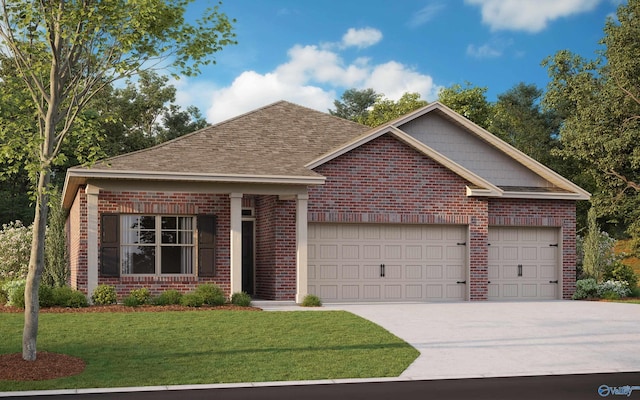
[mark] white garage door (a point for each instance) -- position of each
(371, 262)
(523, 263)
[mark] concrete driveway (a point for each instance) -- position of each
(492, 339)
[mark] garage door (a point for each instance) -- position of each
(371, 262)
(523, 263)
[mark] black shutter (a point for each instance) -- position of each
(206, 245)
(110, 245)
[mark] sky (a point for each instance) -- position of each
(309, 52)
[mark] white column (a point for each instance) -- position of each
(92, 238)
(301, 247)
(236, 242)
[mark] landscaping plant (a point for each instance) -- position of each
(104, 295)
(241, 299)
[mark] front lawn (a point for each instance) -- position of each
(192, 347)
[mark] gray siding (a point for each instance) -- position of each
(471, 152)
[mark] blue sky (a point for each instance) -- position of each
(310, 51)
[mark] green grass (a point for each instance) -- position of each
(172, 348)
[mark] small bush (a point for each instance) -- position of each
(3, 295)
(65, 296)
(104, 295)
(621, 272)
(142, 295)
(613, 290)
(211, 294)
(192, 300)
(586, 289)
(168, 297)
(15, 249)
(241, 299)
(311, 300)
(131, 301)
(15, 292)
(45, 296)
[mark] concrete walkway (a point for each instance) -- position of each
(493, 339)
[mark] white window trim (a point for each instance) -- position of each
(158, 245)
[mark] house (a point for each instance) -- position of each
(285, 201)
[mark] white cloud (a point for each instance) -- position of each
(528, 15)
(492, 49)
(425, 15)
(361, 37)
(312, 76)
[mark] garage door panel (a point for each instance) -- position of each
(533, 249)
(434, 271)
(371, 252)
(387, 262)
(350, 272)
(392, 252)
(413, 272)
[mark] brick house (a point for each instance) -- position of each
(285, 201)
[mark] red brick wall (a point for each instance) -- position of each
(77, 245)
(152, 203)
(551, 213)
(386, 181)
(276, 248)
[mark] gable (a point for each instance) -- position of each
(387, 175)
(471, 152)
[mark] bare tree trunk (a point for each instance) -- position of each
(36, 266)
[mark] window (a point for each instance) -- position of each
(157, 245)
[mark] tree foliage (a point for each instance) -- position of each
(355, 104)
(600, 102)
(469, 101)
(65, 52)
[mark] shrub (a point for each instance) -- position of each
(621, 272)
(211, 294)
(65, 296)
(15, 249)
(613, 289)
(45, 296)
(311, 300)
(142, 295)
(131, 301)
(15, 292)
(3, 295)
(56, 261)
(104, 295)
(192, 300)
(168, 297)
(241, 299)
(585, 289)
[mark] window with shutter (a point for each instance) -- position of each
(110, 245)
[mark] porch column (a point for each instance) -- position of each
(236, 242)
(301, 247)
(92, 238)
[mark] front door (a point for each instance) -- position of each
(248, 257)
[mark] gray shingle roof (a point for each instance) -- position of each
(276, 140)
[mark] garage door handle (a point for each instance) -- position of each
(382, 271)
(556, 281)
(465, 282)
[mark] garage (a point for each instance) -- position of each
(386, 262)
(523, 263)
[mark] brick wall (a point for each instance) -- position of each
(386, 181)
(167, 203)
(276, 248)
(77, 241)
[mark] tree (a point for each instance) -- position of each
(355, 104)
(68, 51)
(600, 102)
(385, 110)
(177, 122)
(518, 120)
(469, 101)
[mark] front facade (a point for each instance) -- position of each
(286, 201)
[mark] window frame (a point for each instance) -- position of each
(158, 244)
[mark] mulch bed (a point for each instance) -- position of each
(54, 365)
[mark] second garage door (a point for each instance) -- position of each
(375, 262)
(523, 263)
